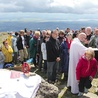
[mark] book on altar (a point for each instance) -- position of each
(14, 74)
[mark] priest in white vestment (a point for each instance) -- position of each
(77, 49)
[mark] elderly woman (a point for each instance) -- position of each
(65, 47)
(33, 46)
(7, 51)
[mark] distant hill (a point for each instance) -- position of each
(18, 25)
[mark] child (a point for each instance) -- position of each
(2, 58)
(86, 70)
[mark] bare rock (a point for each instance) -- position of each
(47, 90)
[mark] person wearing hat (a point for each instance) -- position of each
(2, 58)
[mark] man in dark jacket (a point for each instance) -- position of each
(53, 57)
(27, 39)
(21, 45)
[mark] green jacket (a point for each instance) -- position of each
(92, 42)
(33, 47)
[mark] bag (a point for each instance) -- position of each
(9, 65)
(29, 61)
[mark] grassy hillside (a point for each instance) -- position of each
(3, 36)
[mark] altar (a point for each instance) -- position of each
(13, 84)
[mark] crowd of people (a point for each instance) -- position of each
(54, 52)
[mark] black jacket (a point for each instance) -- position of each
(19, 43)
(53, 49)
(27, 40)
(39, 42)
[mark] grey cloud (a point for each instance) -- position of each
(24, 5)
(44, 6)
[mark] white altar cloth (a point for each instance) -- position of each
(22, 87)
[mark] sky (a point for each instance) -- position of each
(48, 10)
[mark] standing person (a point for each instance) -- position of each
(83, 29)
(61, 36)
(2, 58)
(44, 53)
(61, 39)
(53, 56)
(14, 46)
(88, 32)
(21, 45)
(65, 47)
(94, 40)
(33, 46)
(77, 49)
(86, 70)
(31, 33)
(75, 34)
(39, 53)
(67, 31)
(69, 40)
(27, 40)
(48, 33)
(7, 51)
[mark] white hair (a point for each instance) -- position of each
(44, 31)
(88, 28)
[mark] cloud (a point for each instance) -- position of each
(50, 6)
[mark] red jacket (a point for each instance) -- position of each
(68, 43)
(86, 68)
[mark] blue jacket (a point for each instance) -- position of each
(64, 57)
